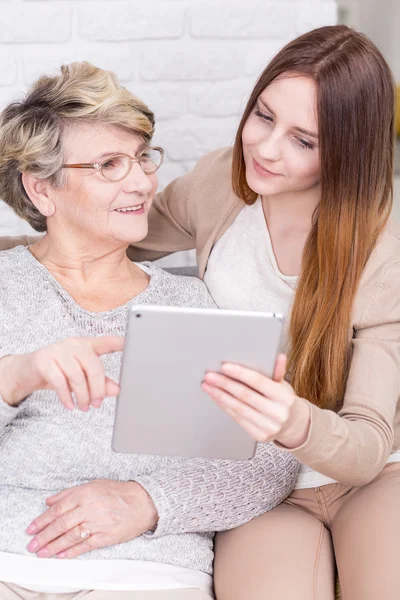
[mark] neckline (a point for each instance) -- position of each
(150, 270)
(264, 225)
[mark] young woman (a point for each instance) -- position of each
(294, 220)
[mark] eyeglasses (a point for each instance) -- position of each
(117, 166)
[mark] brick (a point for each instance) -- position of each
(41, 60)
(219, 99)
(121, 58)
(166, 101)
(237, 20)
(118, 58)
(35, 22)
(259, 54)
(190, 61)
(189, 139)
(308, 17)
(130, 20)
(8, 67)
(10, 94)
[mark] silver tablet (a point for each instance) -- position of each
(162, 409)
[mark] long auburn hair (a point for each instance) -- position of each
(355, 103)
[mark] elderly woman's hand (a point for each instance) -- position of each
(93, 515)
(71, 365)
(268, 409)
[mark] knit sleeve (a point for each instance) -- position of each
(198, 495)
(7, 413)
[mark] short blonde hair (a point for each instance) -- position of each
(31, 129)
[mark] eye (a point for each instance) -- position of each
(116, 167)
(110, 163)
(150, 159)
(263, 116)
(304, 144)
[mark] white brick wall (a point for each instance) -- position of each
(193, 61)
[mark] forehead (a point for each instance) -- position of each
(293, 99)
(85, 141)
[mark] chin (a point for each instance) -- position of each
(136, 236)
(135, 230)
(263, 187)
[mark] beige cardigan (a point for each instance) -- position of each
(352, 446)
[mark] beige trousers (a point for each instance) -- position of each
(289, 553)
(9, 591)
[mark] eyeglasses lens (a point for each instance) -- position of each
(150, 160)
(116, 168)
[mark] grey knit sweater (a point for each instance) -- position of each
(45, 448)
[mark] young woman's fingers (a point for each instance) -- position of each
(280, 368)
(247, 396)
(266, 424)
(238, 390)
(257, 381)
(257, 434)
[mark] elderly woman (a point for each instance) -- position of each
(76, 163)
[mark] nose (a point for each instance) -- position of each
(270, 147)
(137, 181)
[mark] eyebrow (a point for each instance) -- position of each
(299, 129)
(106, 154)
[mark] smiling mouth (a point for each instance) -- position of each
(262, 170)
(126, 209)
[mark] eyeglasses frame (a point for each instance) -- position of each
(134, 159)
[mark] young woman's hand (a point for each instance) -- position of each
(268, 409)
(69, 366)
(93, 515)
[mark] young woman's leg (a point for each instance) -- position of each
(366, 537)
(284, 554)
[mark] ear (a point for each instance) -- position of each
(39, 192)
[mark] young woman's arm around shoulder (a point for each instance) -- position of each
(185, 213)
